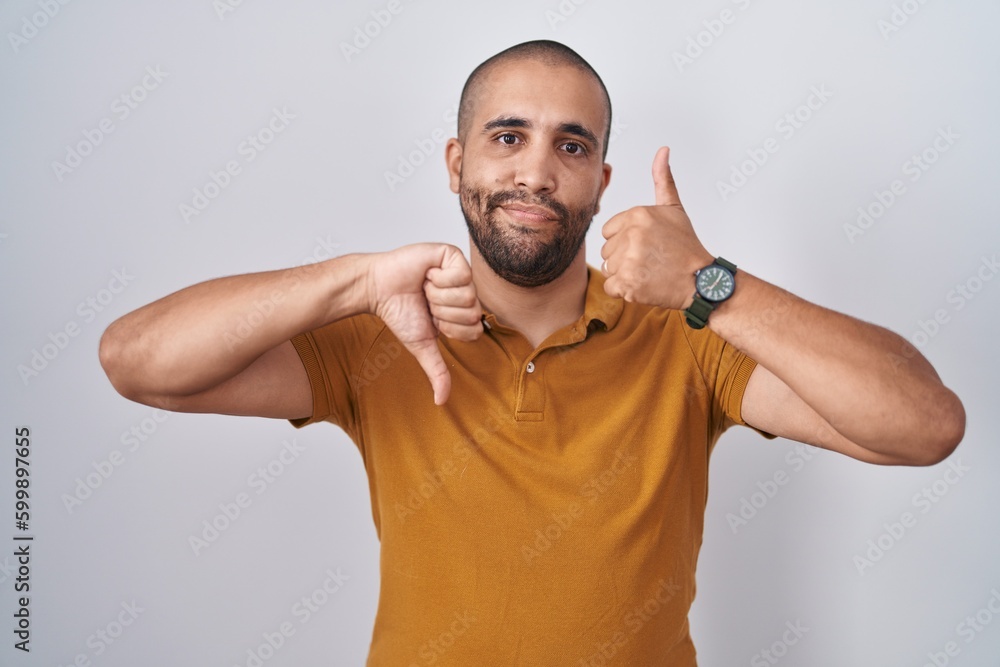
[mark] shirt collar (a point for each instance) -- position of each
(599, 309)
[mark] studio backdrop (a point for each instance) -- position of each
(846, 151)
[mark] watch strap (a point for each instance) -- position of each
(726, 264)
(698, 312)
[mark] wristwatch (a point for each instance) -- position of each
(713, 284)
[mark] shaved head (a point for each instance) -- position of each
(544, 51)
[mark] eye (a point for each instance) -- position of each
(508, 139)
(573, 148)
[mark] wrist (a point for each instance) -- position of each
(346, 286)
(697, 264)
(714, 284)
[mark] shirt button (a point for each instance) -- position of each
(531, 367)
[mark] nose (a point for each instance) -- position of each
(536, 170)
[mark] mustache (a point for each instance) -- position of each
(504, 197)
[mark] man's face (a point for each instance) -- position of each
(530, 174)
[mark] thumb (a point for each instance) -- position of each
(429, 357)
(663, 179)
(453, 270)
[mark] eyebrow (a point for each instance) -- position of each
(576, 129)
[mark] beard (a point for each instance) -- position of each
(519, 254)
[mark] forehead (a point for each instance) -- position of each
(545, 94)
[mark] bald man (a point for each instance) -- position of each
(536, 432)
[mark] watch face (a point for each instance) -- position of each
(715, 283)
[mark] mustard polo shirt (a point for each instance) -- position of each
(551, 512)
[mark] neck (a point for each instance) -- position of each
(536, 312)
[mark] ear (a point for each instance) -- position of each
(605, 179)
(453, 160)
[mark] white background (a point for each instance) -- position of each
(322, 183)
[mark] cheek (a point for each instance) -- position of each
(587, 200)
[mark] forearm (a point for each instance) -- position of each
(867, 382)
(196, 338)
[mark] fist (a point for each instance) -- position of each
(421, 291)
(652, 252)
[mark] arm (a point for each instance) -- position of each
(223, 345)
(822, 378)
(817, 367)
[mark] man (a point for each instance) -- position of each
(546, 507)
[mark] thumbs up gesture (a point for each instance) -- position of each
(652, 252)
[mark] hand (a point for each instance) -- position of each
(652, 252)
(421, 291)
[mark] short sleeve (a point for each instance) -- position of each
(332, 357)
(727, 371)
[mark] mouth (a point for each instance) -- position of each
(529, 214)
